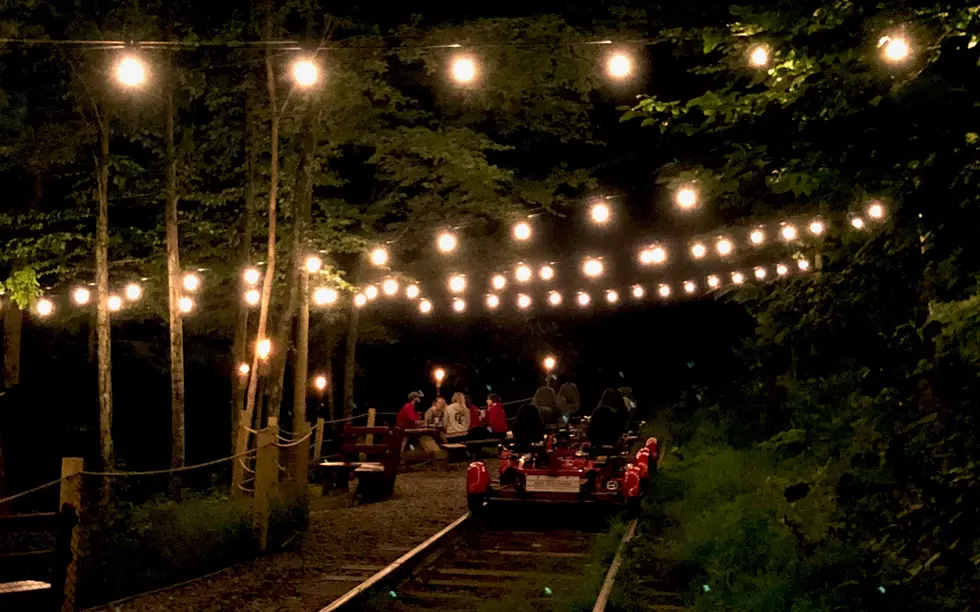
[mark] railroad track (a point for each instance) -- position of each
(469, 563)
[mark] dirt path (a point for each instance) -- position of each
(373, 534)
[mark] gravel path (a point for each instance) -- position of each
(372, 534)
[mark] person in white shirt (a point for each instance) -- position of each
(435, 416)
(457, 417)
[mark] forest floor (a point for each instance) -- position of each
(299, 579)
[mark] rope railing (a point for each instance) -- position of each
(172, 470)
(29, 491)
(295, 442)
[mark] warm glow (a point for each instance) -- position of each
(320, 382)
(817, 227)
(253, 297)
(738, 278)
(857, 222)
(263, 348)
(81, 296)
(698, 250)
(612, 297)
(523, 274)
(185, 304)
(133, 292)
(360, 300)
(788, 232)
(664, 290)
(546, 273)
(305, 72)
(412, 292)
(713, 281)
(895, 49)
(876, 211)
(390, 286)
(554, 298)
(439, 374)
(370, 292)
(690, 287)
(686, 198)
(619, 66)
(782, 270)
(313, 264)
(463, 70)
(638, 291)
(425, 306)
(44, 307)
(523, 301)
(757, 237)
(457, 283)
(459, 305)
(803, 265)
(760, 273)
(600, 213)
(191, 281)
(499, 281)
(759, 56)
(592, 268)
(379, 256)
(492, 301)
(549, 363)
(130, 72)
(655, 255)
(583, 299)
(724, 247)
(446, 242)
(324, 296)
(522, 231)
(251, 276)
(244, 369)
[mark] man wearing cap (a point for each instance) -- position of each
(408, 417)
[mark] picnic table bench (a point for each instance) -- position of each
(369, 454)
(32, 577)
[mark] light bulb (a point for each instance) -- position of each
(876, 211)
(253, 297)
(305, 72)
(463, 70)
(686, 198)
(654, 255)
(638, 291)
(457, 283)
(698, 250)
(690, 287)
(583, 299)
(803, 265)
(523, 274)
(114, 303)
(499, 281)
(133, 292)
(612, 296)
(492, 301)
(788, 232)
(412, 292)
(713, 281)
(546, 273)
(760, 273)
(313, 264)
(664, 290)
(244, 369)
(379, 256)
(619, 66)
(130, 72)
(185, 304)
(523, 301)
(446, 242)
(44, 307)
(320, 382)
(857, 222)
(325, 295)
(757, 237)
(251, 276)
(522, 231)
(390, 286)
(192, 281)
(425, 306)
(782, 270)
(459, 305)
(370, 292)
(895, 49)
(600, 213)
(81, 296)
(554, 298)
(817, 227)
(724, 247)
(263, 348)
(360, 300)
(738, 278)
(549, 363)
(592, 268)
(759, 56)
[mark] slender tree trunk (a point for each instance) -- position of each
(350, 363)
(302, 364)
(13, 323)
(174, 291)
(102, 323)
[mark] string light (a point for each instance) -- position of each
(600, 213)
(463, 70)
(499, 281)
(439, 375)
(549, 363)
(546, 273)
(114, 303)
(133, 292)
(857, 222)
(698, 250)
(713, 281)
(619, 66)
(690, 287)
(803, 265)
(686, 198)
(583, 299)
(320, 383)
(738, 278)
(759, 57)
(611, 296)
(724, 247)
(325, 295)
(493, 301)
(664, 291)
(425, 306)
(186, 304)
(592, 268)
(760, 273)
(457, 283)
(554, 298)
(654, 255)
(191, 281)
(876, 211)
(817, 227)
(305, 72)
(446, 242)
(253, 297)
(522, 231)
(638, 291)
(523, 301)
(360, 300)
(263, 348)
(459, 305)
(244, 369)
(390, 286)
(412, 292)
(44, 307)
(757, 237)
(313, 264)
(370, 292)
(894, 49)
(130, 71)
(379, 256)
(788, 232)
(523, 274)
(251, 276)
(81, 296)
(782, 270)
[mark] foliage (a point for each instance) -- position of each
(23, 287)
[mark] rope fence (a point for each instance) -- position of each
(29, 491)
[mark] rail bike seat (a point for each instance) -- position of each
(605, 427)
(528, 428)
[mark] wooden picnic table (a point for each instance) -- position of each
(426, 442)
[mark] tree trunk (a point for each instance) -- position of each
(174, 290)
(350, 363)
(102, 323)
(13, 323)
(301, 366)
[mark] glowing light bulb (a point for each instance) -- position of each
(133, 292)
(757, 237)
(313, 264)
(439, 374)
(583, 299)
(522, 231)
(523, 274)
(253, 297)
(130, 72)
(370, 292)
(263, 348)
(325, 295)
(686, 198)
(523, 301)
(492, 301)
(592, 268)
(44, 307)
(690, 287)
(788, 232)
(244, 369)
(360, 300)
(738, 278)
(549, 363)
(379, 256)
(698, 250)
(446, 242)
(760, 273)
(185, 304)
(817, 227)
(192, 281)
(554, 298)
(320, 382)
(759, 57)
(425, 306)
(499, 281)
(895, 49)
(713, 281)
(114, 302)
(857, 222)
(803, 265)
(655, 255)
(412, 292)
(546, 273)
(457, 283)
(600, 213)
(81, 296)
(638, 291)
(664, 290)
(463, 70)
(619, 66)
(876, 211)
(724, 247)
(305, 72)
(612, 296)
(782, 270)
(251, 276)
(459, 305)
(390, 286)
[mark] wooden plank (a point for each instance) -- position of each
(607, 584)
(361, 568)
(22, 586)
(540, 553)
(341, 578)
(458, 571)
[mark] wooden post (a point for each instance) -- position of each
(266, 477)
(318, 440)
(372, 415)
(71, 494)
(300, 463)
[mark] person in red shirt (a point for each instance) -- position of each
(408, 417)
(478, 429)
(496, 417)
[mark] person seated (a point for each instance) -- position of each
(457, 418)
(546, 401)
(614, 399)
(528, 427)
(570, 402)
(478, 430)
(606, 426)
(435, 417)
(408, 416)
(496, 419)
